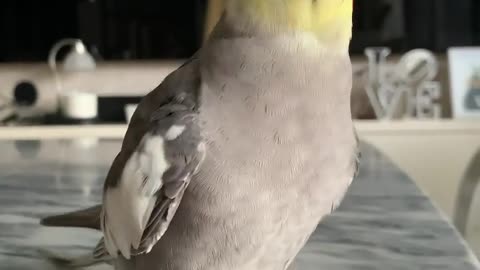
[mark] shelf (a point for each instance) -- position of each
(419, 127)
(62, 132)
(364, 128)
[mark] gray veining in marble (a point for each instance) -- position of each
(384, 223)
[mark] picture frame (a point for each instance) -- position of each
(464, 71)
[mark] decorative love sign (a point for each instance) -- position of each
(411, 81)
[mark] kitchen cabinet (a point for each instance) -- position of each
(157, 29)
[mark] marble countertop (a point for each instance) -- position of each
(385, 222)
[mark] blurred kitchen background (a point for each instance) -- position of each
(80, 66)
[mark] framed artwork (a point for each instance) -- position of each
(464, 69)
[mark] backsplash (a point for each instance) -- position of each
(136, 78)
(109, 79)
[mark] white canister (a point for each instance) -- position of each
(129, 111)
(79, 105)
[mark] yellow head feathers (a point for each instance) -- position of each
(329, 20)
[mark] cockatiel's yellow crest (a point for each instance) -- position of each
(329, 20)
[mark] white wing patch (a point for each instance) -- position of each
(174, 132)
(153, 164)
(128, 206)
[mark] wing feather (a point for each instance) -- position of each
(147, 180)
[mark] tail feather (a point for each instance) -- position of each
(86, 260)
(86, 218)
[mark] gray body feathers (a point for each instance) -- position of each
(267, 150)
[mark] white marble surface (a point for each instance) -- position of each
(384, 223)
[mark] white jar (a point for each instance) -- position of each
(79, 105)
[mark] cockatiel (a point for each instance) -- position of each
(233, 160)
